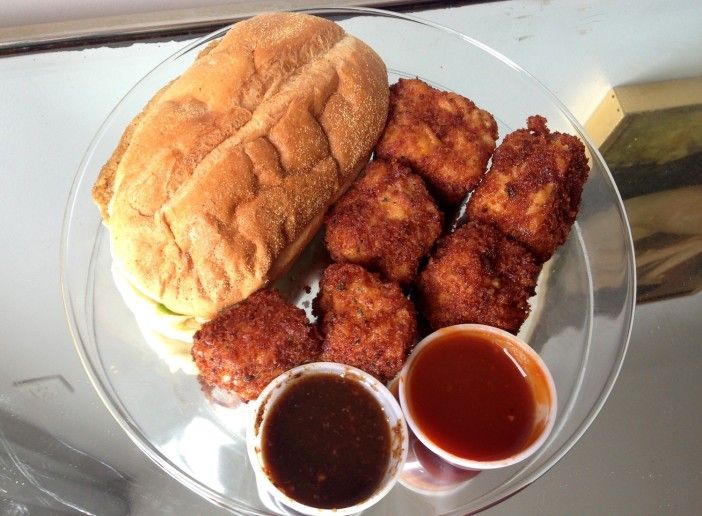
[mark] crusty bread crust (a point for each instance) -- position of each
(217, 186)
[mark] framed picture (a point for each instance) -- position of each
(651, 137)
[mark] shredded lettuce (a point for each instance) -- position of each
(164, 310)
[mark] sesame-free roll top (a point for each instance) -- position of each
(225, 176)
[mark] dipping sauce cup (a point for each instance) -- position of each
(477, 396)
(327, 438)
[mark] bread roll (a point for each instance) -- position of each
(217, 186)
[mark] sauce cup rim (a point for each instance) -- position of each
(463, 462)
(266, 400)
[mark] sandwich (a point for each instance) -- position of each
(222, 180)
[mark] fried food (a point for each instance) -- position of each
(532, 191)
(366, 323)
(478, 275)
(245, 347)
(443, 136)
(386, 222)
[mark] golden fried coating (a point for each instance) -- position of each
(386, 222)
(478, 275)
(245, 347)
(366, 323)
(533, 188)
(443, 136)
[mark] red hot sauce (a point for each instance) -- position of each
(470, 398)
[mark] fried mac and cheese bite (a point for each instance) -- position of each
(442, 135)
(533, 189)
(366, 322)
(386, 222)
(478, 275)
(245, 347)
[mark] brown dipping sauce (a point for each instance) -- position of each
(326, 442)
(470, 399)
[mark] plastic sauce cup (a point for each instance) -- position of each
(528, 364)
(266, 402)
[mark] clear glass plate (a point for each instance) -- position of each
(580, 328)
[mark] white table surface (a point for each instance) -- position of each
(641, 456)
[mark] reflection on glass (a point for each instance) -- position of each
(40, 474)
